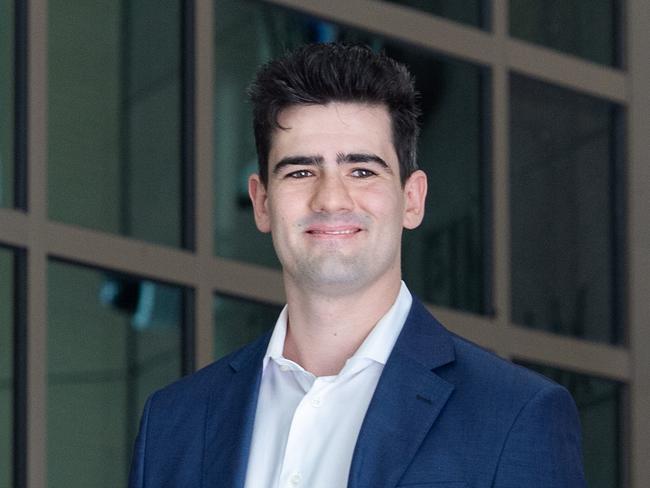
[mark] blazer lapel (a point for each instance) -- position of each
(230, 417)
(407, 401)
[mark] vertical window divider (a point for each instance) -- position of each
(204, 38)
(36, 316)
(500, 218)
(638, 259)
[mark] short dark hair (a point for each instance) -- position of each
(317, 74)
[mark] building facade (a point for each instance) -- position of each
(128, 253)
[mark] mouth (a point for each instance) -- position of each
(333, 232)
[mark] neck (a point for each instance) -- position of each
(323, 331)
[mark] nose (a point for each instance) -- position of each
(331, 195)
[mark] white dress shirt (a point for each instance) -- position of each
(306, 427)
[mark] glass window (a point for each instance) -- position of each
(238, 321)
(6, 103)
(115, 117)
(464, 11)
(599, 404)
(565, 216)
(6, 366)
(588, 29)
(112, 340)
(443, 259)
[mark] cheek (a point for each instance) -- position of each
(383, 202)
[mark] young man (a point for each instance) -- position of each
(357, 385)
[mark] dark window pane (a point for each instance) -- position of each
(599, 404)
(464, 11)
(238, 321)
(443, 260)
(6, 103)
(6, 366)
(589, 29)
(112, 340)
(564, 193)
(115, 117)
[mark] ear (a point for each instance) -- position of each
(259, 197)
(415, 193)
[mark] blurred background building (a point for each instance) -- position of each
(128, 253)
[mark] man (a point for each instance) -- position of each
(358, 385)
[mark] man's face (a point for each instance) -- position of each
(334, 202)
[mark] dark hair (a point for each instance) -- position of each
(317, 74)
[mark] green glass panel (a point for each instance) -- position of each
(6, 103)
(599, 404)
(443, 259)
(238, 321)
(112, 340)
(590, 29)
(6, 366)
(464, 11)
(114, 140)
(565, 211)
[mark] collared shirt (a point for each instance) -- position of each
(306, 427)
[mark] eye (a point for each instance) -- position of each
(301, 173)
(363, 173)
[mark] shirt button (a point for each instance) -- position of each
(316, 402)
(295, 479)
(284, 367)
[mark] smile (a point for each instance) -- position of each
(333, 232)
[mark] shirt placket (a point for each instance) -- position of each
(303, 434)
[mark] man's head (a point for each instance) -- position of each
(318, 74)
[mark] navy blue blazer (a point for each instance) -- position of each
(445, 414)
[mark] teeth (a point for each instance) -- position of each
(335, 232)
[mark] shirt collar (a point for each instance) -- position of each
(378, 344)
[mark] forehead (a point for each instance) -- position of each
(334, 127)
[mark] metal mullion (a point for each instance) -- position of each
(99, 249)
(20, 104)
(564, 70)
(188, 175)
(15, 227)
(469, 43)
(36, 274)
(405, 24)
(20, 369)
(204, 205)
(500, 189)
(638, 234)
(569, 353)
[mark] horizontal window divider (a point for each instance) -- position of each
(578, 355)
(245, 280)
(467, 43)
(404, 24)
(568, 71)
(124, 254)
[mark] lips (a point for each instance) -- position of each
(333, 232)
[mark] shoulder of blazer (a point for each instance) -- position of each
(199, 386)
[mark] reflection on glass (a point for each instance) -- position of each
(443, 260)
(112, 340)
(599, 403)
(564, 193)
(238, 321)
(588, 29)
(464, 11)
(115, 117)
(6, 102)
(6, 367)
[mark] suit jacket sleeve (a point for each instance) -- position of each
(136, 477)
(543, 446)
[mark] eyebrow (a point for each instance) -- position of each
(341, 158)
